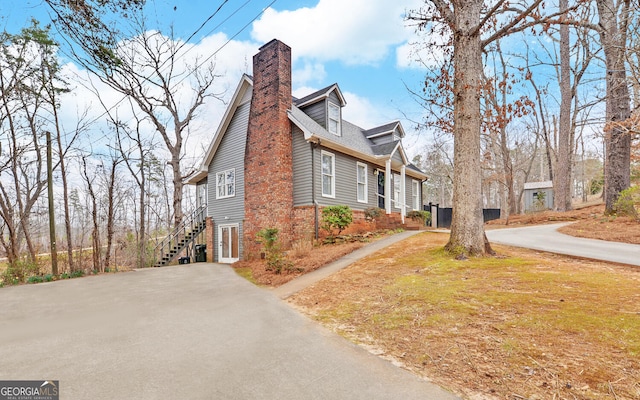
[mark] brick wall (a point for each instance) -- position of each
(209, 237)
(303, 226)
(268, 155)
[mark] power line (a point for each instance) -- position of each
(227, 42)
(206, 60)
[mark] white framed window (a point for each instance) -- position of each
(362, 182)
(396, 191)
(226, 184)
(415, 195)
(328, 174)
(333, 123)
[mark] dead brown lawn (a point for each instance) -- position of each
(524, 325)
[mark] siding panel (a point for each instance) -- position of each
(317, 112)
(346, 181)
(302, 174)
(230, 154)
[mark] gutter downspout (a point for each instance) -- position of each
(313, 189)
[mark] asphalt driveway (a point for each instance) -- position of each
(547, 238)
(193, 331)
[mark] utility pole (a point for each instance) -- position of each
(52, 216)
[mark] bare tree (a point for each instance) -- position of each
(471, 25)
(135, 152)
(113, 200)
(613, 28)
(144, 66)
(562, 186)
(28, 71)
(501, 109)
(89, 177)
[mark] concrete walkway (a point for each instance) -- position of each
(547, 238)
(194, 331)
(309, 279)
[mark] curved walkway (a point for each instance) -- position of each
(547, 238)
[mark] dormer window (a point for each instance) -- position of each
(334, 119)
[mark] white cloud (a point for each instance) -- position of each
(364, 113)
(231, 62)
(354, 32)
(310, 72)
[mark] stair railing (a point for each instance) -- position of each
(175, 241)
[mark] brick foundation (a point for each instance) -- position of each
(209, 238)
(303, 226)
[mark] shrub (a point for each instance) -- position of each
(35, 279)
(276, 260)
(628, 202)
(539, 202)
(336, 217)
(77, 274)
(424, 216)
(372, 213)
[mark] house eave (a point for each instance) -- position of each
(324, 96)
(245, 84)
(378, 160)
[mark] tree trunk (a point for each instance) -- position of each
(178, 214)
(617, 168)
(65, 195)
(467, 231)
(562, 186)
(110, 213)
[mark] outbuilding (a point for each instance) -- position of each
(538, 196)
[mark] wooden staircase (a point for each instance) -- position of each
(181, 237)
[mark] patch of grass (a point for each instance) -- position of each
(246, 273)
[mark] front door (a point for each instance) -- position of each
(381, 190)
(228, 244)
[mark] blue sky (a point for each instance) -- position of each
(363, 45)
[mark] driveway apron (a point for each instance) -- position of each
(194, 331)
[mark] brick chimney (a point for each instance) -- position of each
(268, 153)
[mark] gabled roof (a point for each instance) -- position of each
(353, 141)
(385, 148)
(321, 95)
(538, 185)
(385, 130)
(246, 84)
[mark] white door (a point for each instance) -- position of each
(228, 243)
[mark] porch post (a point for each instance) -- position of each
(403, 193)
(388, 196)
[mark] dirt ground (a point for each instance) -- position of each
(305, 259)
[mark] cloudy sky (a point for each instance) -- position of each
(363, 45)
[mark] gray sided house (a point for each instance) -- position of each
(276, 161)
